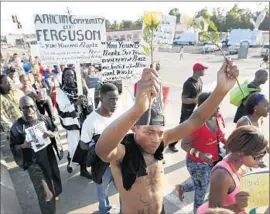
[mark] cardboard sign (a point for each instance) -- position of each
(64, 39)
(164, 34)
(256, 183)
(121, 60)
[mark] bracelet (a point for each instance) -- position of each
(192, 151)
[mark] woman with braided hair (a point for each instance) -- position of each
(246, 146)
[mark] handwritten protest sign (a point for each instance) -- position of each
(66, 39)
(164, 34)
(257, 185)
(121, 60)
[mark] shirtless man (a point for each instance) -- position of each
(143, 193)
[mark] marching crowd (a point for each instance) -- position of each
(125, 150)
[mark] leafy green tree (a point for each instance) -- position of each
(126, 24)
(138, 23)
(115, 25)
(175, 12)
(108, 24)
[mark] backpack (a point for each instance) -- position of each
(236, 96)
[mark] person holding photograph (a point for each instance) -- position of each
(42, 165)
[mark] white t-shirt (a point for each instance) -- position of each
(94, 124)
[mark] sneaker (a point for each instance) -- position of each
(173, 149)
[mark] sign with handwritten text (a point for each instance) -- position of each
(257, 185)
(121, 60)
(164, 34)
(64, 39)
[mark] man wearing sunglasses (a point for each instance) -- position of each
(41, 165)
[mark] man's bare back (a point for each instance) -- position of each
(146, 194)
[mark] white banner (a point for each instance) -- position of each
(69, 39)
(122, 60)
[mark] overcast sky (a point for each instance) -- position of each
(110, 10)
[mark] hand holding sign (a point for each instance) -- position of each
(147, 89)
(256, 184)
(241, 200)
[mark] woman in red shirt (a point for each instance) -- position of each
(202, 147)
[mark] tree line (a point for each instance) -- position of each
(236, 17)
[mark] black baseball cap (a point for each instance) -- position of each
(155, 119)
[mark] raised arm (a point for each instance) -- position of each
(107, 147)
(225, 81)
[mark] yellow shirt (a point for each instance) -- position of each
(10, 110)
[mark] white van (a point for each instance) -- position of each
(186, 39)
(238, 35)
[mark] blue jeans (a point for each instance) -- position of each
(200, 175)
(102, 192)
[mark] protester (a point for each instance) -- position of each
(17, 64)
(14, 76)
(27, 87)
(247, 147)
(9, 99)
(44, 101)
(202, 147)
(92, 127)
(257, 107)
(136, 159)
(73, 110)
(261, 76)
(92, 81)
(191, 89)
(41, 165)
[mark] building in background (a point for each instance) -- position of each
(130, 34)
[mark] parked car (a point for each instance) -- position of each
(210, 47)
(233, 49)
(264, 48)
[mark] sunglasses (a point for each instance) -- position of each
(259, 156)
(28, 107)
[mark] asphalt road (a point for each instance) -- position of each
(79, 193)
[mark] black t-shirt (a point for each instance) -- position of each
(241, 111)
(191, 89)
